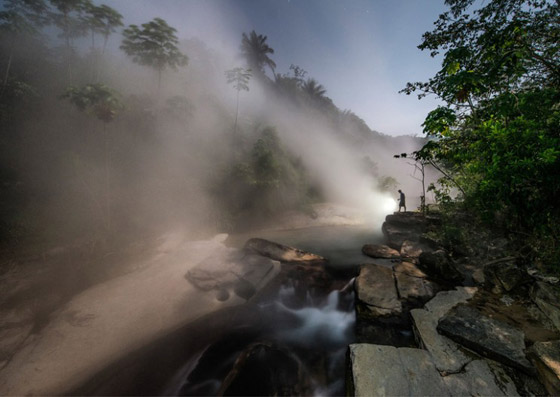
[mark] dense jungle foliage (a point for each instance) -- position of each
(496, 138)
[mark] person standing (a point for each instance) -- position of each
(402, 201)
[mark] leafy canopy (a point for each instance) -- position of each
(153, 44)
(497, 136)
(239, 77)
(97, 99)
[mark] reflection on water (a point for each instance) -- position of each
(341, 245)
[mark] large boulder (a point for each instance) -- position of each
(439, 265)
(380, 251)
(412, 285)
(486, 336)
(282, 253)
(376, 295)
(503, 275)
(413, 221)
(447, 355)
(376, 370)
(400, 227)
(546, 357)
(547, 298)
(232, 270)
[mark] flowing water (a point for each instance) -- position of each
(298, 340)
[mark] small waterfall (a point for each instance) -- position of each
(324, 325)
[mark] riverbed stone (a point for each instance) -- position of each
(380, 251)
(280, 252)
(376, 294)
(547, 298)
(481, 379)
(486, 336)
(411, 250)
(414, 290)
(230, 268)
(409, 269)
(377, 370)
(447, 355)
(412, 284)
(503, 276)
(546, 357)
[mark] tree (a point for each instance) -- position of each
(255, 50)
(154, 45)
(70, 18)
(497, 137)
(314, 90)
(103, 103)
(239, 77)
(102, 20)
(20, 17)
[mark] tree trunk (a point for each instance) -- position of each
(107, 180)
(236, 114)
(9, 66)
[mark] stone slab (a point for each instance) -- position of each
(377, 370)
(447, 355)
(414, 289)
(486, 336)
(480, 379)
(376, 292)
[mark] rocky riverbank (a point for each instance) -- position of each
(492, 329)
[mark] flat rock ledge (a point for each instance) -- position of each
(486, 336)
(447, 355)
(377, 370)
(386, 294)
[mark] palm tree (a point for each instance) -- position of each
(313, 89)
(255, 49)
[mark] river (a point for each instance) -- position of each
(294, 343)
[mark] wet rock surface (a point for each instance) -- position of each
(281, 252)
(489, 337)
(380, 251)
(412, 285)
(229, 269)
(376, 294)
